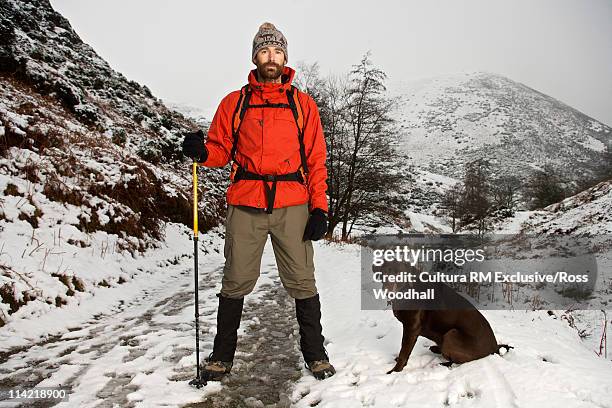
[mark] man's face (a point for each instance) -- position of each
(270, 62)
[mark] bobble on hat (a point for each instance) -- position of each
(269, 35)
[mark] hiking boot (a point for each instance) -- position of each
(216, 370)
(321, 369)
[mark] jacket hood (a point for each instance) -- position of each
(272, 88)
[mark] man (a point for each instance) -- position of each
(274, 136)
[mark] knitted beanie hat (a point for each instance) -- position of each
(268, 36)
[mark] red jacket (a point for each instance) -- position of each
(268, 144)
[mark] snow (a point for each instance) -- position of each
(17, 119)
(135, 343)
(199, 115)
(427, 223)
(588, 212)
(427, 176)
(37, 319)
(593, 144)
(109, 338)
(514, 225)
(429, 105)
(362, 346)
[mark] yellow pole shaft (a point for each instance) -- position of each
(195, 198)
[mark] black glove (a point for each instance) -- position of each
(193, 146)
(316, 227)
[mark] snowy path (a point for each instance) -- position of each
(141, 352)
(142, 340)
(267, 359)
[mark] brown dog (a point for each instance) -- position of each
(460, 331)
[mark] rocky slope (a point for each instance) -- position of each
(89, 160)
(586, 213)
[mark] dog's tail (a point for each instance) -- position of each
(500, 346)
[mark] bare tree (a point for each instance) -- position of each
(504, 194)
(338, 146)
(545, 187)
(363, 166)
(308, 79)
(453, 204)
(370, 139)
(476, 202)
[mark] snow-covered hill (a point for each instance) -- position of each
(588, 213)
(195, 113)
(90, 163)
(447, 121)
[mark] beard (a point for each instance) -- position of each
(269, 71)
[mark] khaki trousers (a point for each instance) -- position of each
(247, 231)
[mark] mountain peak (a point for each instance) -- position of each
(450, 119)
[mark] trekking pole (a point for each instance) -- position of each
(198, 382)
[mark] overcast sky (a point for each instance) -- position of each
(195, 52)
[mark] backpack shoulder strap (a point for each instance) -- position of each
(298, 115)
(239, 111)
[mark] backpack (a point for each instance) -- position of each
(238, 173)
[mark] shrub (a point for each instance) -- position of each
(119, 137)
(32, 219)
(166, 150)
(11, 189)
(545, 187)
(56, 190)
(167, 122)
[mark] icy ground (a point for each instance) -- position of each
(136, 347)
(133, 346)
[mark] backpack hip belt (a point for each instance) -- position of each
(241, 174)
